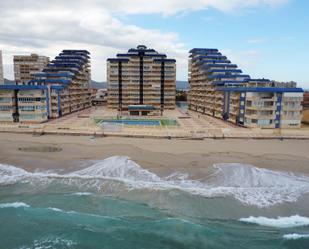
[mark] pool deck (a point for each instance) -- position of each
(191, 126)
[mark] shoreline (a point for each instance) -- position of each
(161, 156)
(163, 136)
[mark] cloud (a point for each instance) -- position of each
(47, 27)
(172, 7)
(49, 30)
(247, 60)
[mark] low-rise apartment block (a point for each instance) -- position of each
(20, 103)
(218, 88)
(61, 88)
(26, 66)
(141, 82)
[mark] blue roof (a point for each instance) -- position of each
(194, 50)
(118, 59)
(75, 51)
(163, 59)
(22, 87)
(214, 54)
(212, 57)
(55, 70)
(224, 71)
(259, 89)
(259, 80)
(146, 55)
(218, 76)
(53, 81)
(62, 67)
(215, 62)
(71, 56)
(61, 60)
(43, 74)
(141, 107)
(57, 87)
(230, 82)
(228, 65)
(137, 50)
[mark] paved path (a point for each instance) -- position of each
(191, 125)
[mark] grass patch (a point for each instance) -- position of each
(168, 122)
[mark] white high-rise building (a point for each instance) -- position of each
(1, 69)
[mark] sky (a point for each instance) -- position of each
(266, 38)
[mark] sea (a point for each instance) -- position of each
(116, 203)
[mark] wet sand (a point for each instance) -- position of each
(159, 156)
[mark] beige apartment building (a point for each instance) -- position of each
(1, 69)
(62, 87)
(218, 88)
(141, 82)
(26, 66)
(306, 108)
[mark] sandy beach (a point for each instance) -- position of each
(179, 199)
(160, 156)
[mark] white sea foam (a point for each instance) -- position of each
(280, 222)
(82, 193)
(294, 236)
(246, 183)
(10, 174)
(50, 242)
(13, 205)
(55, 209)
(118, 167)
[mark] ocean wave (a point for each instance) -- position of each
(82, 193)
(294, 236)
(280, 222)
(13, 205)
(10, 174)
(76, 213)
(56, 209)
(50, 242)
(246, 183)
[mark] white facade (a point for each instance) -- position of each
(1, 69)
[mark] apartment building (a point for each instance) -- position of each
(61, 88)
(141, 82)
(220, 89)
(26, 66)
(306, 108)
(306, 101)
(22, 103)
(68, 77)
(1, 69)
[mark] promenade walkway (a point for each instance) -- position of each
(191, 126)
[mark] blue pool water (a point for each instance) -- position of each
(133, 122)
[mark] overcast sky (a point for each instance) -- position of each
(267, 38)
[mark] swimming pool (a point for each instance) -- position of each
(132, 122)
(140, 122)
